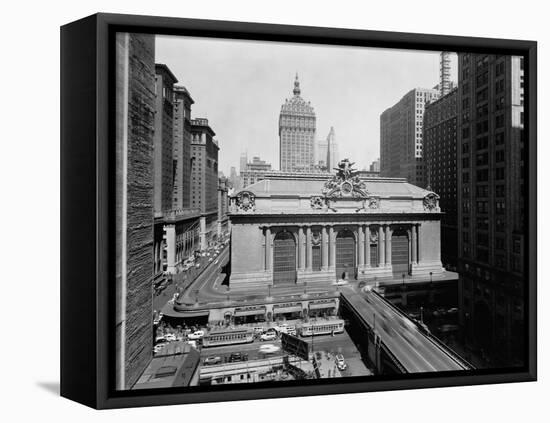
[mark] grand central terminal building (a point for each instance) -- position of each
(295, 228)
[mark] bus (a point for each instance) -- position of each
(322, 327)
(216, 338)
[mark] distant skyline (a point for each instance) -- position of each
(239, 86)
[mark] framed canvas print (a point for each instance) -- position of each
(255, 211)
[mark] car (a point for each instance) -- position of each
(340, 362)
(199, 334)
(269, 349)
(237, 356)
(341, 282)
(268, 336)
(212, 360)
(452, 310)
(258, 330)
(170, 337)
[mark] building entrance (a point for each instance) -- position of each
(400, 251)
(284, 259)
(345, 255)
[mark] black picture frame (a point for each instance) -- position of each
(87, 197)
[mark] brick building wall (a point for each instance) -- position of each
(134, 207)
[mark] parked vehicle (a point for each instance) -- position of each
(340, 362)
(212, 360)
(268, 336)
(237, 356)
(170, 337)
(196, 335)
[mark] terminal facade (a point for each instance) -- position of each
(307, 228)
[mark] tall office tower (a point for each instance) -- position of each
(332, 157)
(491, 216)
(163, 164)
(182, 148)
(401, 137)
(296, 134)
(204, 176)
(135, 105)
(440, 139)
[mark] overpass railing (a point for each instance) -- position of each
(376, 338)
(449, 351)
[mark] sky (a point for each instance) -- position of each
(239, 86)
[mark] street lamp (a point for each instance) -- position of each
(431, 281)
(422, 314)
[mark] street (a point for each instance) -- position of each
(337, 344)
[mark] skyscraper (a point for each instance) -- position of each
(297, 125)
(491, 217)
(182, 148)
(440, 139)
(332, 150)
(164, 166)
(204, 173)
(401, 137)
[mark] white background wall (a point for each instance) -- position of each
(29, 175)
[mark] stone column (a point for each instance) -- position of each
(324, 248)
(203, 240)
(367, 246)
(309, 251)
(414, 257)
(381, 249)
(419, 243)
(361, 240)
(388, 245)
(170, 248)
(301, 248)
(268, 249)
(332, 242)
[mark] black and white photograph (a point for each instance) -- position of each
(296, 213)
(275, 212)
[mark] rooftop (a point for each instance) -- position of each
(378, 186)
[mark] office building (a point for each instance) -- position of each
(204, 177)
(491, 195)
(440, 162)
(401, 145)
(182, 148)
(254, 171)
(297, 125)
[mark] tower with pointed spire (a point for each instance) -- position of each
(297, 124)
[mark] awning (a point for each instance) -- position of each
(318, 306)
(169, 311)
(240, 313)
(293, 309)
